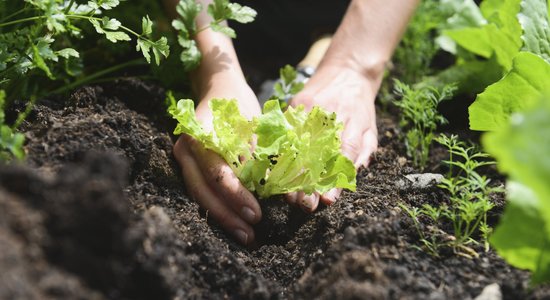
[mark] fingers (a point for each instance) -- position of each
(370, 144)
(226, 184)
(216, 206)
(307, 203)
(330, 197)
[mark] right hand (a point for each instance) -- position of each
(208, 178)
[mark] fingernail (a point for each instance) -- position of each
(308, 203)
(248, 214)
(331, 196)
(241, 236)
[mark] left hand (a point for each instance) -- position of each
(351, 96)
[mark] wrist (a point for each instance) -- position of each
(370, 68)
(349, 74)
(219, 63)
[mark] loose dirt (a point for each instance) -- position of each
(98, 210)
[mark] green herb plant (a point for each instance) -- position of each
(11, 142)
(39, 52)
(419, 117)
(36, 38)
(220, 11)
(413, 56)
(467, 206)
(37, 56)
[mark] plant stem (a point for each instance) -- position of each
(98, 74)
(121, 26)
(22, 20)
(14, 14)
(23, 115)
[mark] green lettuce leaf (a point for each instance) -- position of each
(521, 148)
(295, 150)
(528, 81)
(534, 20)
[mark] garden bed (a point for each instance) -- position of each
(99, 210)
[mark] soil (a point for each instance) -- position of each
(98, 211)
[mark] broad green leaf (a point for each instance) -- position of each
(521, 148)
(501, 37)
(519, 238)
(534, 20)
(464, 14)
(528, 80)
(472, 77)
(476, 40)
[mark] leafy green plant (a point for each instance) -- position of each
(39, 44)
(513, 38)
(467, 206)
(287, 86)
(36, 38)
(220, 11)
(294, 150)
(413, 57)
(521, 148)
(11, 142)
(469, 191)
(419, 117)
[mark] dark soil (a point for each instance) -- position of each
(98, 211)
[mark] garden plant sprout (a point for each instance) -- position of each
(468, 204)
(419, 117)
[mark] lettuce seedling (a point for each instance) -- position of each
(295, 150)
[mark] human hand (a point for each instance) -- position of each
(208, 178)
(351, 96)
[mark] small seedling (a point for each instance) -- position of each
(11, 142)
(467, 205)
(288, 85)
(419, 117)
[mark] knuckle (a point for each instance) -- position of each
(351, 147)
